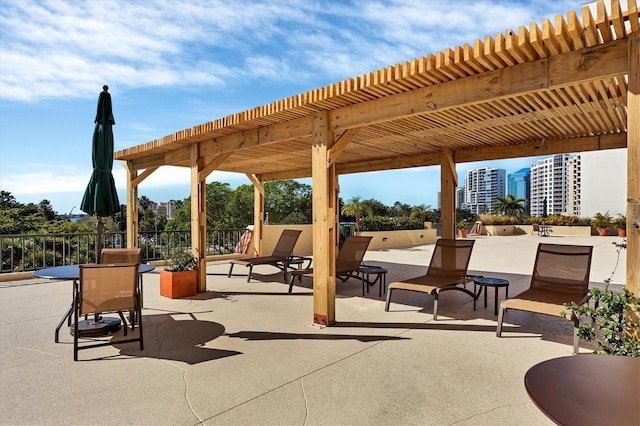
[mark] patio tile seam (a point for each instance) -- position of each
(526, 404)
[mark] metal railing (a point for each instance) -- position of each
(29, 252)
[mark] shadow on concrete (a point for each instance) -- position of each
(177, 337)
(266, 335)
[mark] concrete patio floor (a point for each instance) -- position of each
(247, 354)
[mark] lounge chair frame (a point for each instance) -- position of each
(280, 258)
(447, 271)
(348, 261)
(106, 288)
(560, 275)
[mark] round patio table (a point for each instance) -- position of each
(86, 327)
(587, 389)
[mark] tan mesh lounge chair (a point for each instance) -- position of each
(447, 271)
(560, 275)
(280, 257)
(106, 288)
(347, 262)
(536, 228)
(121, 255)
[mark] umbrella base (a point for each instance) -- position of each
(92, 328)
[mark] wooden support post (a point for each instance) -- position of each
(633, 166)
(324, 222)
(199, 216)
(258, 212)
(448, 185)
(132, 206)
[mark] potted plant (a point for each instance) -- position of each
(611, 318)
(602, 221)
(620, 223)
(462, 229)
(179, 277)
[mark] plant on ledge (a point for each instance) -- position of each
(602, 221)
(179, 262)
(612, 321)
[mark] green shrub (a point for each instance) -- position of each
(383, 223)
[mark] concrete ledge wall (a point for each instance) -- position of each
(304, 246)
(403, 238)
(563, 231)
(271, 234)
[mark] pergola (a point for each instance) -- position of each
(571, 85)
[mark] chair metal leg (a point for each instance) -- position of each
(139, 310)
(230, 269)
(499, 326)
(75, 329)
(436, 295)
(124, 323)
(250, 270)
(386, 306)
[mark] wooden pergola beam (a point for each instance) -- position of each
(527, 149)
(566, 69)
(633, 167)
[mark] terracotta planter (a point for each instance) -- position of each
(603, 232)
(175, 285)
(622, 232)
(462, 233)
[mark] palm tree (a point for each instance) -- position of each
(420, 211)
(355, 207)
(511, 206)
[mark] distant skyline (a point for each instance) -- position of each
(174, 65)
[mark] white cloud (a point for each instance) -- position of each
(67, 49)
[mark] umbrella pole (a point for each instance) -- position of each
(99, 239)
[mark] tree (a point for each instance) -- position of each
(400, 209)
(510, 205)
(7, 200)
(46, 210)
(218, 213)
(420, 211)
(377, 208)
(288, 202)
(241, 206)
(355, 208)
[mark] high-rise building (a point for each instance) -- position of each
(482, 186)
(549, 185)
(574, 176)
(519, 185)
(459, 197)
(167, 208)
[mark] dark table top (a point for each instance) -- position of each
(587, 389)
(72, 272)
(490, 281)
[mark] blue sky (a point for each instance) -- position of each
(171, 65)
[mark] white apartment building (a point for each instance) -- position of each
(549, 185)
(167, 208)
(481, 187)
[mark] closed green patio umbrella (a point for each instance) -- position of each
(100, 197)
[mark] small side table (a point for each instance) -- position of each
(299, 261)
(490, 282)
(379, 272)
